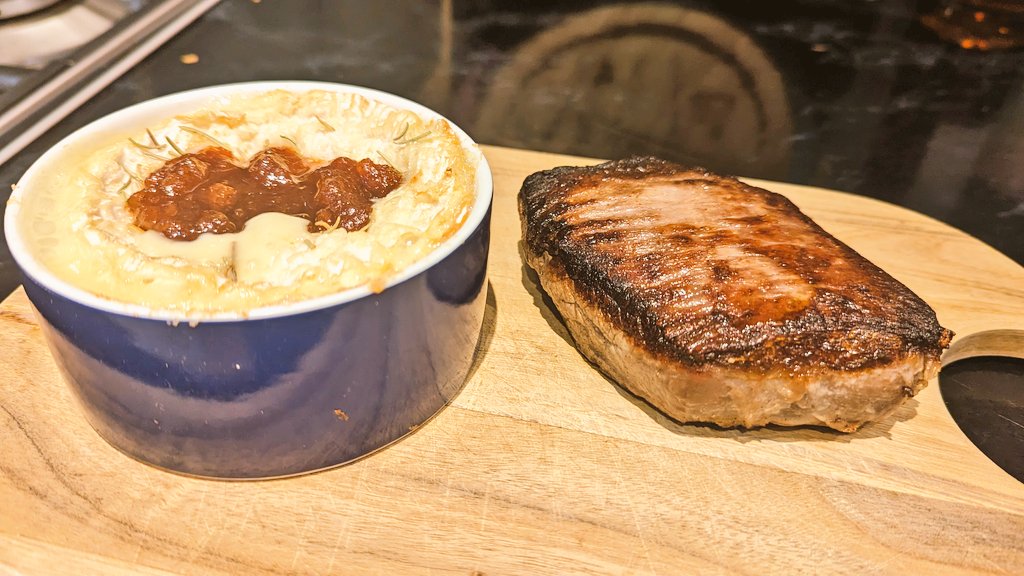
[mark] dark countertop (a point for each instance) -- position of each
(859, 96)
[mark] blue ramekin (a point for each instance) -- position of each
(280, 390)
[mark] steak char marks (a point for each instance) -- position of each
(720, 302)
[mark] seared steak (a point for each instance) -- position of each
(719, 302)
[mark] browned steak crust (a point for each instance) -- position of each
(702, 273)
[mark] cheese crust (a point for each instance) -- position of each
(84, 233)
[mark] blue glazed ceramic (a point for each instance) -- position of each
(295, 390)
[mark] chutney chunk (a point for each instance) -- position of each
(206, 191)
(378, 179)
(276, 167)
(219, 195)
(178, 176)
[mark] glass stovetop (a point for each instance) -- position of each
(54, 59)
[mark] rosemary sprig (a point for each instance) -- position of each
(401, 139)
(142, 146)
(124, 186)
(130, 174)
(294, 143)
(199, 132)
(413, 139)
(385, 158)
(405, 129)
(175, 146)
(232, 273)
(154, 156)
(324, 123)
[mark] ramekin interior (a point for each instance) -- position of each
(132, 118)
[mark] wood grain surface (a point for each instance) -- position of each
(543, 466)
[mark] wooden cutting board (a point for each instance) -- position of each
(543, 466)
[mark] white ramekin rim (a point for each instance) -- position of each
(177, 103)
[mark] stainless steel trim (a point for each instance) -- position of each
(111, 59)
(111, 9)
(12, 8)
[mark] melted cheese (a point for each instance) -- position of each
(84, 233)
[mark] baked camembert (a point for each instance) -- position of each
(87, 231)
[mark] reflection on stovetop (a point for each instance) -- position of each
(40, 45)
(35, 40)
(65, 55)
